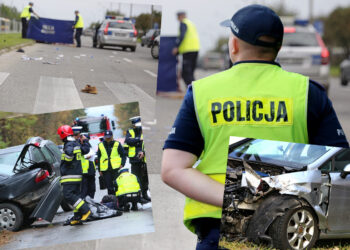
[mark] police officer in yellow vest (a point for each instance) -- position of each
(78, 26)
(137, 158)
(255, 98)
(188, 46)
(88, 184)
(25, 16)
(111, 158)
(127, 190)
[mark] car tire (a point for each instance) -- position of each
(300, 221)
(11, 217)
(343, 82)
(133, 49)
(123, 48)
(65, 206)
(99, 44)
(142, 45)
(155, 50)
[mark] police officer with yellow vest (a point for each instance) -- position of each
(255, 98)
(78, 26)
(127, 190)
(137, 158)
(188, 46)
(25, 16)
(71, 173)
(88, 184)
(111, 158)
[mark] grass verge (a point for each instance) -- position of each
(335, 71)
(11, 39)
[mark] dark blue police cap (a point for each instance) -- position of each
(254, 21)
(108, 134)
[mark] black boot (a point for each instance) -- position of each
(145, 195)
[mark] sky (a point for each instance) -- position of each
(206, 14)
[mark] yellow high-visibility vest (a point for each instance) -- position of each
(114, 158)
(80, 23)
(190, 43)
(127, 183)
(25, 13)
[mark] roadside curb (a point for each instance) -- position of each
(5, 50)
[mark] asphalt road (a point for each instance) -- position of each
(48, 78)
(42, 233)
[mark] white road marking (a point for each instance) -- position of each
(131, 93)
(56, 94)
(127, 60)
(150, 73)
(3, 76)
(154, 122)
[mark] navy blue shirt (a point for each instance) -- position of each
(322, 122)
(183, 29)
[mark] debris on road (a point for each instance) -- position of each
(5, 237)
(89, 89)
(20, 50)
(50, 63)
(27, 58)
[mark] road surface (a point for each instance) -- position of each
(48, 78)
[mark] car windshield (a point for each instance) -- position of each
(7, 162)
(293, 155)
(307, 39)
(96, 127)
(121, 25)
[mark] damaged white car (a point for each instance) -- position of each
(287, 195)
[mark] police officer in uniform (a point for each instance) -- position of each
(187, 45)
(88, 185)
(25, 16)
(71, 173)
(127, 190)
(78, 26)
(111, 158)
(134, 140)
(255, 98)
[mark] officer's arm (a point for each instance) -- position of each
(76, 20)
(122, 154)
(98, 159)
(69, 149)
(177, 172)
(85, 147)
(131, 141)
(183, 29)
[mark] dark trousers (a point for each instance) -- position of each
(140, 170)
(88, 186)
(78, 32)
(208, 232)
(189, 63)
(123, 200)
(24, 27)
(109, 177)
(71, 193)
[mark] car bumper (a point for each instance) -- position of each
(115, 41)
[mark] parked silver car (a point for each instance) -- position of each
(303, 51)
(286, 194)
(345, 72)
(114, 32)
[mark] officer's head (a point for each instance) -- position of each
(256, 34)
(123, 170)
(108, 136)
(136, 122)
(31, 4)
(181, 15)
(76, 12)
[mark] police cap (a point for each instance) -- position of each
(254, 21)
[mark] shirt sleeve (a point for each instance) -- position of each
(76, 20)
(131, 141)
(322, 121)
(183, 29)
(31, 10)
(185, 134)
(122, 154)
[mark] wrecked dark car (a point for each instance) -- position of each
(286, 195)
(29, 183)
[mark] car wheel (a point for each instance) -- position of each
(65, 206)
(99, 44)
(343, 82)
(133, 49)
(155, 50)
(296, 229)
(142, 45)
(123, 48)
(11, 217)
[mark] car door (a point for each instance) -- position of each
(339, 201)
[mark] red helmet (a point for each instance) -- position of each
(64, 131)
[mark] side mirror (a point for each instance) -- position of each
(345, 171)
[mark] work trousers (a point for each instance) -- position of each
(24, 27)
(109, 177)
(78, 32)
(208, 232)
(88, 186)
(189, 63)
(140, 170)
(71, 193)
(123, 200)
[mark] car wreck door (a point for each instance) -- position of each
(49, 203)
(339, 201)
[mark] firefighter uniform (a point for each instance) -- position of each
(111, 158)
(134, 139)
(128, 190)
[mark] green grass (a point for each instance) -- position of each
(335, 71)
(12, 39)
